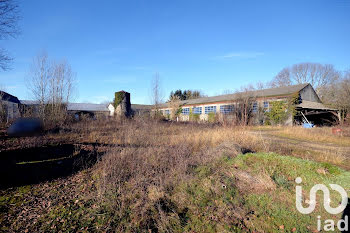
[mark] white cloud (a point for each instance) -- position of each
(240, 55)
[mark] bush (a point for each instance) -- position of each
(278, 112)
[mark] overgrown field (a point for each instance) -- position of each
(171, 177)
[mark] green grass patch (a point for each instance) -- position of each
(216, 204)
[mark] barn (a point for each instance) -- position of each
(309, 107)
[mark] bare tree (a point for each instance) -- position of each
(337, 94)
(9, 16)
(318, 75)
(156, 92)
(38, 80)
(52, 85)
(260, 85)
(282, 78)
(244, 105)
(60, 88)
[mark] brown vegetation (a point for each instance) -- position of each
(155, 176)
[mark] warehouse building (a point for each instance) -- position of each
(308, 105)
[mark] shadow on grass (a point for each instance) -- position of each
(39, 164)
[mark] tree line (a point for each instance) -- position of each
(185, 94)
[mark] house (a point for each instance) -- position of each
(9, 107)
(308, 107)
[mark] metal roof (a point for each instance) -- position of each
(141, 107)
(278, 91)
(87, 107)
(29, 102)
(76, 106)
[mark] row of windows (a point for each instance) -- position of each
(227, 109)
(209, 109)
(224, 109)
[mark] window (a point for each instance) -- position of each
(186, 111)
(197, 110)
(255, 107)
(209, 109)
(226, 109)
(266, 104)
(167, 112)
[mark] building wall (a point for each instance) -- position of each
(205, 117)
(309, 94)
(10, 110)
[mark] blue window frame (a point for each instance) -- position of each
(209, 109)
(255, 107)
(197, 110)
(227, 109)
(186, 111)
(266, 104)
(167, 112)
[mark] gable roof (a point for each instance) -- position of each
(270, 92)
(7, 97)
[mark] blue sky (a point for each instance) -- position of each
(210, 46)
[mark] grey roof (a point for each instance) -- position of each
(270, 92)
(141, 107)
(29, 102)
(7, 97)
(76, 106)
(87, 107)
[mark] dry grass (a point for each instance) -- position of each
(320, 134)
(170, 177)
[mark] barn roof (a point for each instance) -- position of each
(7, 97)
(270, 92)
(313, 105)
(87, 107)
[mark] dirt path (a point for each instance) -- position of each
(308, 146)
